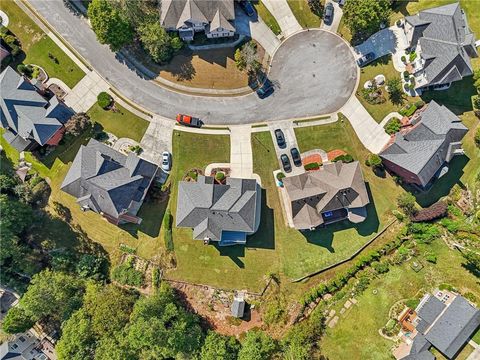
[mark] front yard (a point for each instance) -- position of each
(37, 46)
(305, 17)
(122, 123)
(267, 17)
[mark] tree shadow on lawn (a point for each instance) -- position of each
(324, 236)
(264, 238)
(441, 187)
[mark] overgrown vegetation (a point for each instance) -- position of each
(364, 17)
(392, 126)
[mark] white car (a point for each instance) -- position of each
(166, 163)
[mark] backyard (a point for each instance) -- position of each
(121, 122)
(356, 334)
(37, 46)
(305, 17)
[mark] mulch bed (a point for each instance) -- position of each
(315, 158)
(57, 90)
(335, 153)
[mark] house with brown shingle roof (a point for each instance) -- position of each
(214, 17)
(335, 192)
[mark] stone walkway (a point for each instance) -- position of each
(284, 16)
(370, 133)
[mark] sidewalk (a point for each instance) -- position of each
(284, 16)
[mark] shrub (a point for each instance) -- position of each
(406, 202)
(104, 100)
(312, 166)
(220, 176)
(347, 158)
(431, 258)
(404, 60)
(419, 104)
(127, 275)
(381, 267)
(408, 110)
(412, 303)
(392, 126)
(412, 56)
(167, 234)
(127, 249)
(26, 70)
(374, 161)
(424, 232)
(156, 278)
(477, 137)
(406, 74)
(280, 176)
(77, 124)
(316, 7)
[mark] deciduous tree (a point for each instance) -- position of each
(363, 17)
(77, 124)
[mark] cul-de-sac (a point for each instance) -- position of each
(239, 179)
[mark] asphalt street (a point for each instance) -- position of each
(313, 71)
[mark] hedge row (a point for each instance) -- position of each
(167, 234)
(312, 166)
(341, 280)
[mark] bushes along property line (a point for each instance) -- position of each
(167, 234)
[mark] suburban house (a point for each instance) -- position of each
(217, 212)
(30, 119)
(335, 192)
(445, 321)
(109, 182)
(420, 153)
(444, 44)
(214, 17)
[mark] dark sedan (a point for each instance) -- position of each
(266, 90)
(280, 138)
(366, 59)
(328, 15)
(297, 159)
(287, 167)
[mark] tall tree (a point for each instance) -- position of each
(219, 347)
(156, 41)
(257, 346)
(109, 24)
(77, 341)
(363, 17)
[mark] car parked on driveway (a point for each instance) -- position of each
(265, 90)
(280, 139)
(328, 14)
(287, 167)
(247, 7)
(366, 59)
(188, 120)
(166, 161)
(297, 159)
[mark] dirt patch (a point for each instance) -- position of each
(335, 153)
(214, 306)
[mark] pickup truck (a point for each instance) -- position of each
(188, 120)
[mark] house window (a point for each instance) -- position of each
(14, 346)
(21, 338)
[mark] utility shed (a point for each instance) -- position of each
(238, 305)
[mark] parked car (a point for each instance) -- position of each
(166, 161)
(297, 159)
(280, 139)
(366, 59)
(247, 7)
(287, 167)
(188, 120)
(265, 90)
(328, 14)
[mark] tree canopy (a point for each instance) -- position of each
(219, 347)
(257, 346)
(363, 17)
(109, 24)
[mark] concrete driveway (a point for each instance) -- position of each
(284, 16)
(337, 16)
(381, 43)
(291, 142)
(318, 79)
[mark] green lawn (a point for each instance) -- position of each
(356, 334)
(267, 17)
(304, 15)
(383, 66)
(37, 45)
(121, 123)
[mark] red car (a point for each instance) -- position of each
(188, 120)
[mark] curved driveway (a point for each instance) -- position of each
(314, 73)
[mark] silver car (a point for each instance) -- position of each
(166, 161)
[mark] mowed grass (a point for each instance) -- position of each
(235, 267)
(122, 123)
(383, 66)
(305, 17)
(267, 17)
(37, 45)
(208, 69)
(302, 253)
(356, 334)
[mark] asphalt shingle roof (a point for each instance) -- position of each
(211, 208)
(446, 43)
(25, 112)
(334, 186)
(106, 180)
(424, 148)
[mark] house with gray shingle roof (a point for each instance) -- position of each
(335, 192)
(30, 119)
(446, 323)
(225, 213)
(421, 153)
(214, 17)
(108, 182)
(444, 44)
